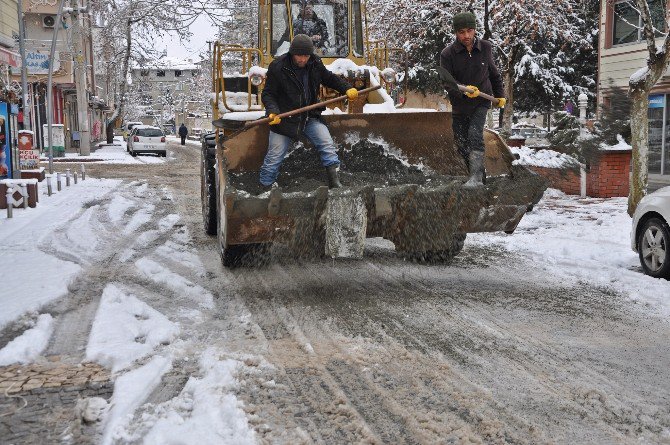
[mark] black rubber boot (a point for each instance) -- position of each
(476, 164)
(333, 177)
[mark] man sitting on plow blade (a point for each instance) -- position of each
(293, 81)
(470, 61)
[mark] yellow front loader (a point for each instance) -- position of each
(408, 191)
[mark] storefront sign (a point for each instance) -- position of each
(29, 158)
(5, 148)
(657, 101)
(38, 62)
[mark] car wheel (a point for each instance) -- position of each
(653, 245)
(133, 154)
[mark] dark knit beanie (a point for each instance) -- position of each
(301, 45)
(465, 20)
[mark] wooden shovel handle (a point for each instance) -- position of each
(266, 120)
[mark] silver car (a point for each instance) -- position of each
(650, 236)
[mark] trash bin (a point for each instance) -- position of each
(15, 184)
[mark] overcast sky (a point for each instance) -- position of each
(202, 29)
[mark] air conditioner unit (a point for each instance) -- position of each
(48, 21)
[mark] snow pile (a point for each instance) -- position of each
(130, 390)
(257, 70)
(29, 345)
(621, 145)
(543, 158)
(126, 329)
(180, 285)
(205, 412)
(582, 240)
(34, 273)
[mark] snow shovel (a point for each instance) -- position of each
(219, 123)
(448, 79)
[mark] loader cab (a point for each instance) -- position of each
(336, 27)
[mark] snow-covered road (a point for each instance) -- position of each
(549, 335)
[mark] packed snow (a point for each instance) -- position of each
(36, 276)
(621, 145)
(126, 329)
(29, 345)
(573, 240)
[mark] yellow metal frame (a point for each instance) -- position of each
(218, 79)
(379, 56)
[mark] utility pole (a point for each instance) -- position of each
(80, 78)
(49, 93)
(24, 69)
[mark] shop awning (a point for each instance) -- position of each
(9, 58)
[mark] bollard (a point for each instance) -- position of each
(67, 177)
(74, 175)
(49, 189)
(83, 172)
(10, 202)
(58, 186)
(24, 193)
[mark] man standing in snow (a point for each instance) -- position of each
(470, 61)
(293, 81)
(183, 132)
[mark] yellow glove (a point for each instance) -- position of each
(274, 120)
(501, 102)
(352, 93)
(474, 94)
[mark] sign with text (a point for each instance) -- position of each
(29, 158)
(37, 62)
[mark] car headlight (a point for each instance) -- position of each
(389, 75)
(257, 79)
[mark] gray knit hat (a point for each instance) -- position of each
(301, 45)
(465, 20)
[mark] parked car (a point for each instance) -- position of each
(650, 236)
(127, 128)
(147, 139)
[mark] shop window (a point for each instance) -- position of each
(628, 23)
(160, 73)
(178, 73)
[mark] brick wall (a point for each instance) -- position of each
(608, 176)
(566, 180)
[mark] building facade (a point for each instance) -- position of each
(622, 52)
(165, 93)
(39, 23)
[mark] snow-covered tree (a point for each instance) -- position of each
(640, 84)
(558, 69)
(130, 29)
(514, 27)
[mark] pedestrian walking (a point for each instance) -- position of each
(183, 132)
(293, 81)
(470, 61)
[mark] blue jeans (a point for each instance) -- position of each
(317, 133)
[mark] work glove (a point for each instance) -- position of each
(474, 94)
(274, 119)
(501, 102)
(352, 93)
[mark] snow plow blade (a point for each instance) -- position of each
(403, 181)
